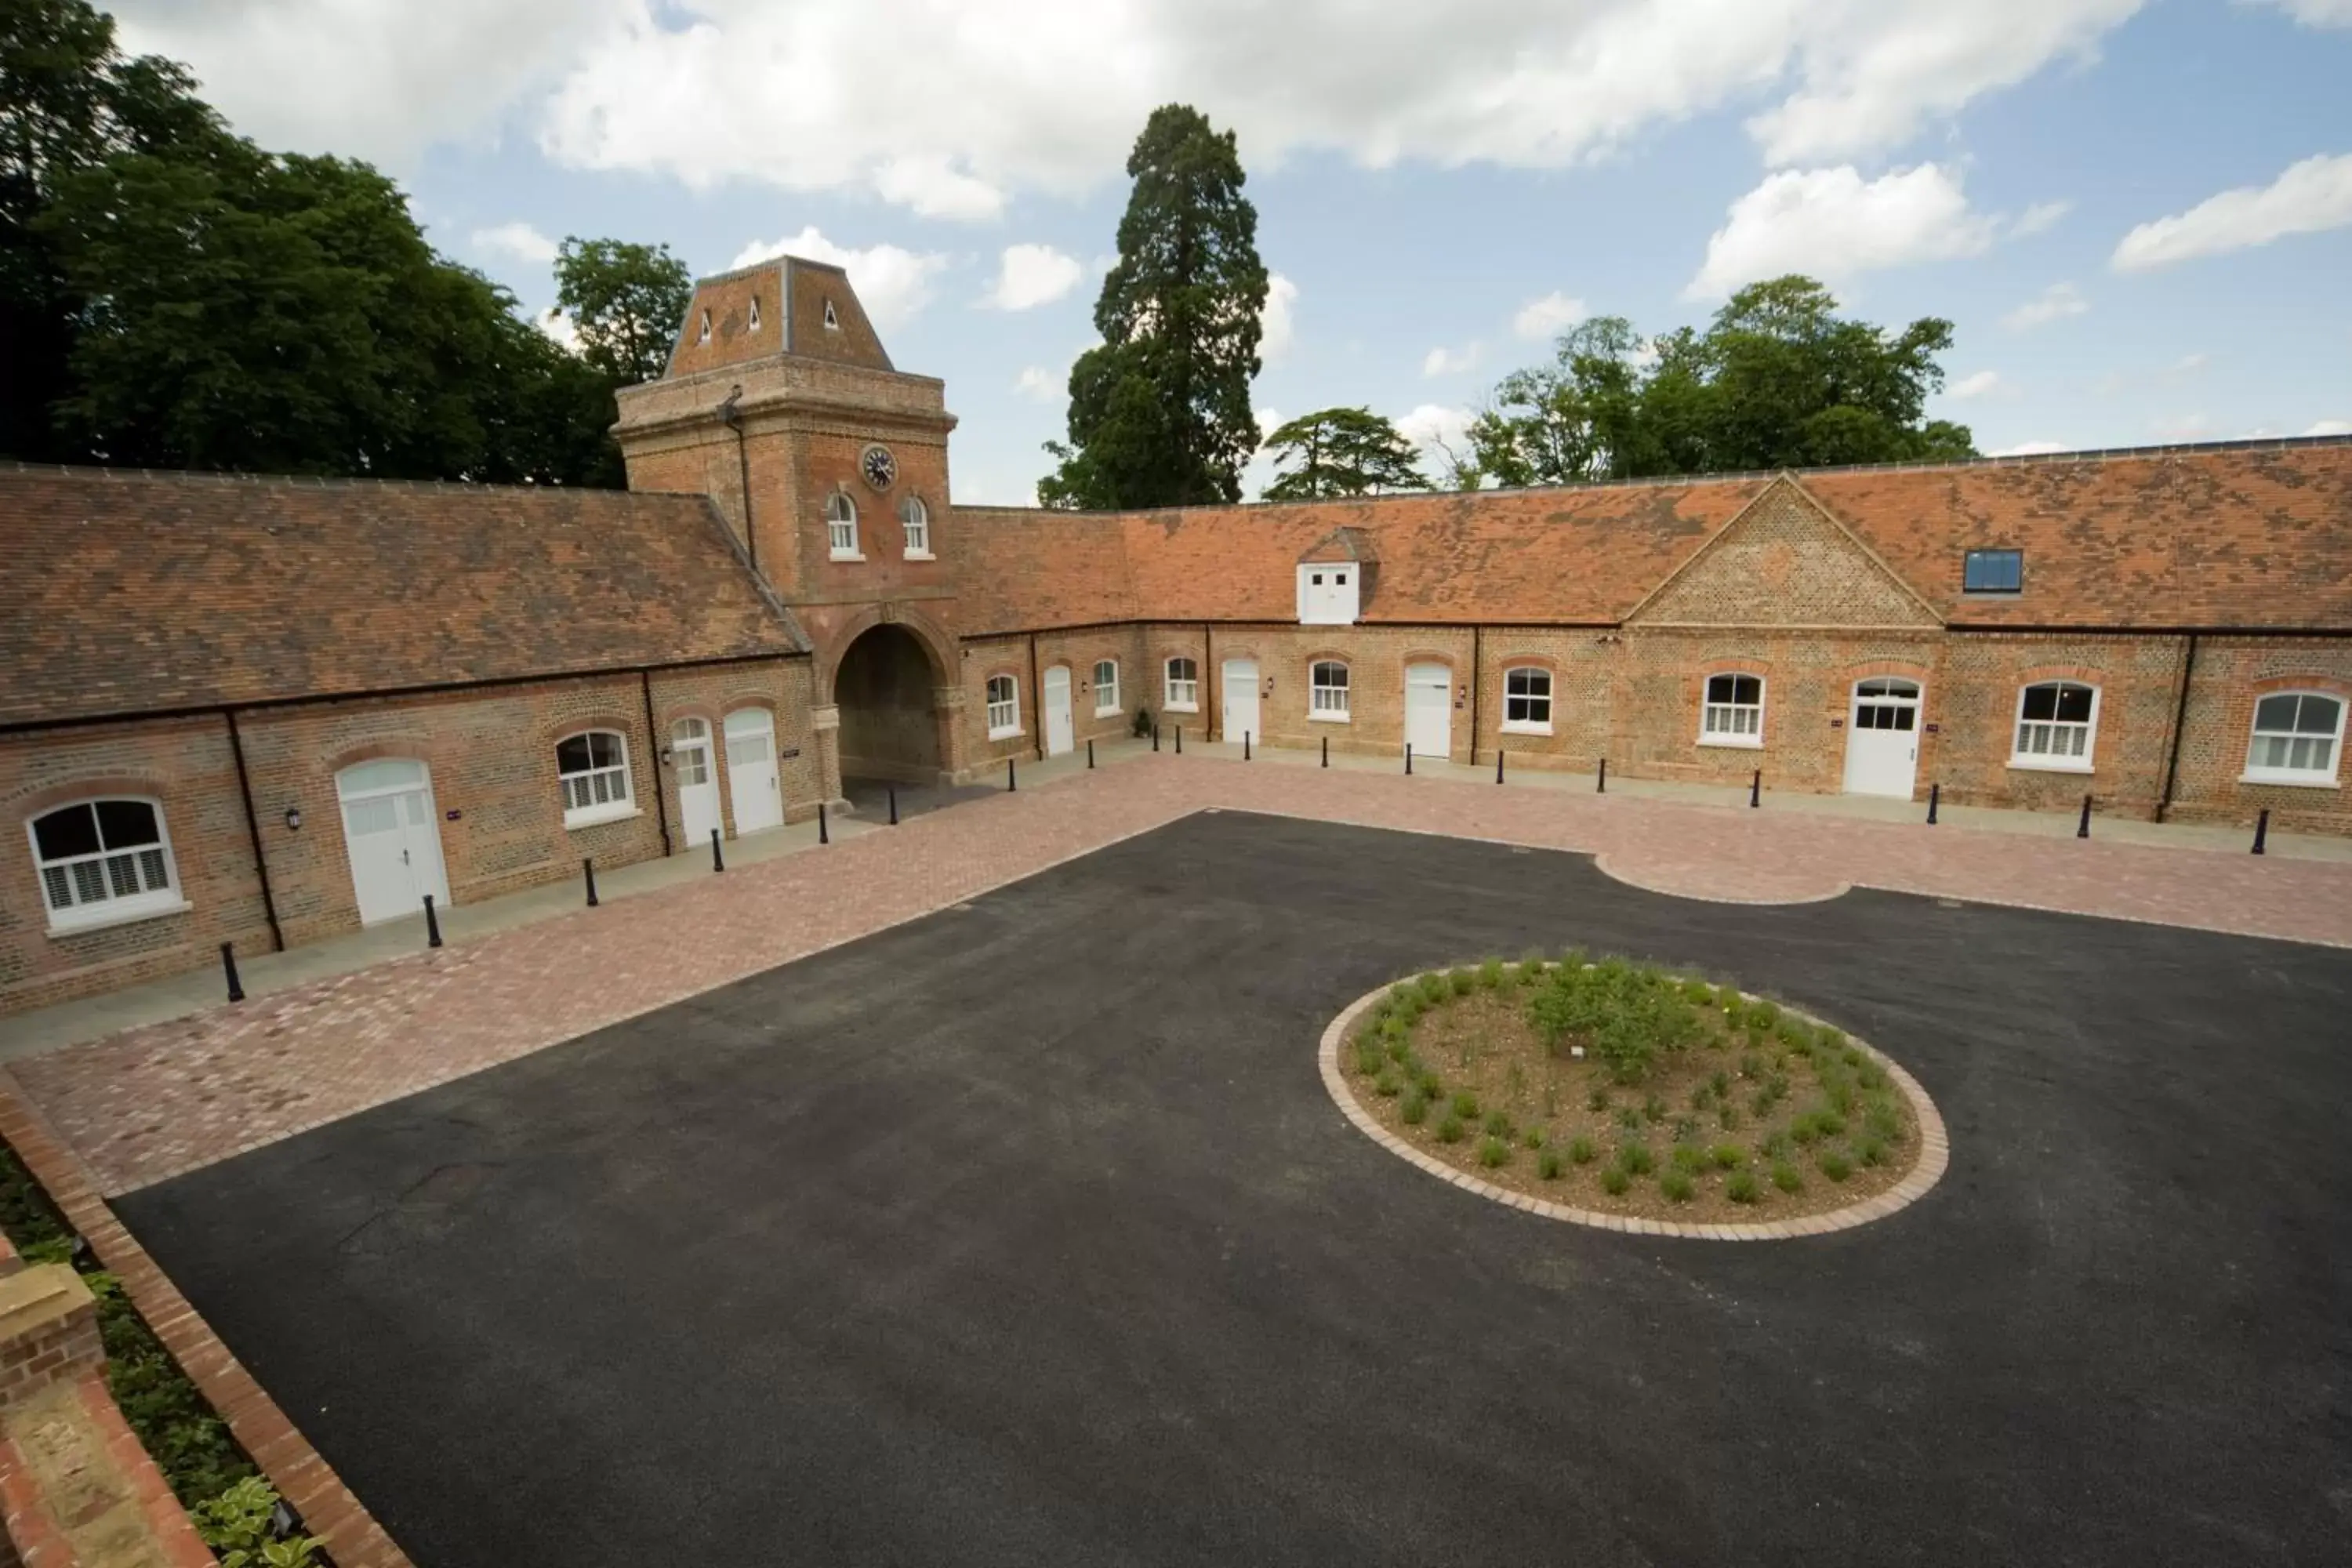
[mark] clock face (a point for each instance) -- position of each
(880, 469)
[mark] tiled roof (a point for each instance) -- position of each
(123, 592)
(2253, 535)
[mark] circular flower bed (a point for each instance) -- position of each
(1615, 1090)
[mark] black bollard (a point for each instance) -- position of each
(2261, 833)
(718, 861)
(229, 963)
(1180, 739)
(1327, 751)
(1011, 780)
(894, 804)
(1245, 745)
(1090, 756)
(1935, 794)
(1602, 787)
(2083, 829)
(1498, 764)
(1155, 737)
(1408, 759)
(1755, 789)
(431, 924)
(588, 869)
(824, 831)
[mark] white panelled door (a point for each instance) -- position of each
(393, 835)
(751, 769)
(1060, 736)
(698, 780)
(1429, 709)
(1240, 697)
(1881, 746)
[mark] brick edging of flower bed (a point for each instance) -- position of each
(1935, 1154)
(309, 1485)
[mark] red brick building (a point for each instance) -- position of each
(262, 711)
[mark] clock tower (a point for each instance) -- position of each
(829, 466)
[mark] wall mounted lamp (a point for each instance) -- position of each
(293, 819)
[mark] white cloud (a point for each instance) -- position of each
(558, 326)
(2331, 427)
(1442, 360)
(2312, 13)
(893, 284)
(1276, 330)
(932, 187)
(2186, 427)
(1547, 318)
(1981, 384)
(2039, 217)
(1833, 223)
(2310, 196)
(519, 240)
(1031, 274)
(1435, 429)
(2029, 449)
(1044, 385)
(2055, 303)
(1268, 421)
(2190, 365)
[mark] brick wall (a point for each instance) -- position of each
(2230, 676)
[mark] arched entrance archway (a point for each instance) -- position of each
(886, 690)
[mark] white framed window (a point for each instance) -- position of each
(2296, 737)
(593, 768)
(841, 526)
(1733, 714)
(103, 861)
(1527, 700)
(1106, 686)
(1183, 693)
(1326, 686)
(915, 518)
(2057, 726)
(1003, 707)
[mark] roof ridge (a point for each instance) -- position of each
(101, 473)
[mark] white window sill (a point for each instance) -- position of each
(2291, 781)
(2046, 765)
(1327, 620)
(1737, 742)
(846, 555)
(1012, 734)
(1524, 728)
(1107, 712)
(618, 810)
(1329, 719)
(1180, 707)
(103, 919)
(921, 555)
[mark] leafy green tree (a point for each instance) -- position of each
(1160, 410)
(1341, 452)
(625, 301)
(1778, 379)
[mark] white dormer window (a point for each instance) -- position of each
(1328, 595)
(703, 334)
(832, 321)
(755, 313)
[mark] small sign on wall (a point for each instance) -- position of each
(1837, 724)
(453, 816)
(789, 752)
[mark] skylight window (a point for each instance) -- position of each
(1993, 572)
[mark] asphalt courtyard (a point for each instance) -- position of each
(1024, 1233)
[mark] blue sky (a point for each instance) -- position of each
(2137, 212)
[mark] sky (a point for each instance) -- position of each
(2137, 213)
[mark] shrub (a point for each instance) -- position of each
(1677, 1186)
(1795, 1033)
(1835, 1166)
(1750, 1065)
(1854, 1058)
(1498, 1124)
(1494, 1151)
(1580, 1150)
(1699, 1097)
(1531, 967)
(1490, 975)
(1841, 1098)
(1832, 1040)
(1368, 1055)
(1803, 1132)
(1614, 1181)
(1623, 1016)
(1870, 1075)
(236, 1525)
(1415, 1109)
(1765, 1016)
(1429, 1083)
(1686, 1127)
(1450, 1130)
(1785, 1176)
(1884, 1123)
(1827, 1122)
(1698, 993)
(1462, 980)
(1775, 1146)
(1534, 1138)
(1388, 1084)
(1550, 1098)
(1630, 1120)
(1727, 1156)
(1654, 1109)
(1741, 1188)
(1432, 987)
(1548, 1164)
(1598, 1099)
(1686, 1157)
(1465, 1105)
(1719, 1081)
(1635, 1159)
(1726, 1116)
(1869, 1151)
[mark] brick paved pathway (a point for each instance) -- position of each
(155, 1101)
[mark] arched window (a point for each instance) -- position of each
(841, 526)
(593, 771)
(1527, 700)
(1106, 686)
(1327, 690)
(2057, 724)
(1003, 707)
(1184, 695)
(2297, 734)
(104, 860)
(915, 518)
(1734, 711)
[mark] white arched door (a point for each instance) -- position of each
(751, 769)
(1882, 743)
(698, 780)
(393, 835)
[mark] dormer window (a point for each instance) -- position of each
(703, 334)
(755, 313)
(1326, 596)
(1993, 572)
(832, 321)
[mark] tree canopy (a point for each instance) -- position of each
(172, 296)
(1341, 452)
(1160, 410)
(1778, 379)
(625, 301)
